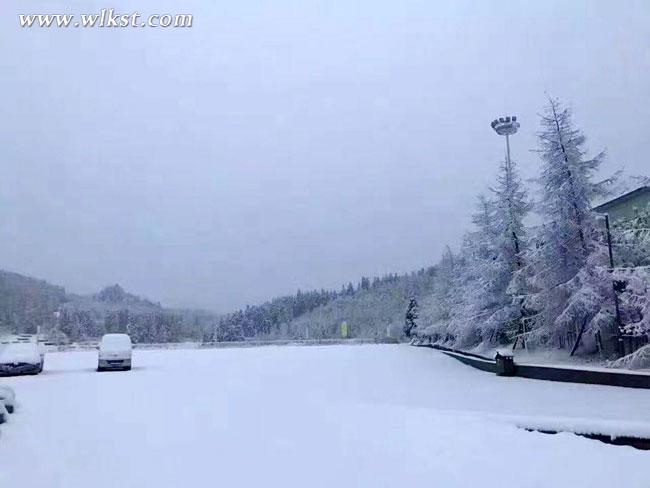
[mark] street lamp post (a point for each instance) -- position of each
(506, 126)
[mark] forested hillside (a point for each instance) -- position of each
(369, 308)
(374, 309)
(115, 310)
(26, 303)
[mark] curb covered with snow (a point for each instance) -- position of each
(561, 373)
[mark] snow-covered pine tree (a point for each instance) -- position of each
(567, 189)
(447, 290)
(444, 299)
(510, 209)
(492, 253)
(570, 241)
(508, 237)
(474, 290)
(412, 313)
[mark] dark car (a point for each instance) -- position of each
(20, 358)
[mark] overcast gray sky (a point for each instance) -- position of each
(282, 145)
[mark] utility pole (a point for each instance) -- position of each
(617, 309)
(609, 242)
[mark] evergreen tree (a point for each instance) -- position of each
(446, 297)
(477, 280)
(570, 240)
(412, 313)
(510, 209)
(567, 189)
(508, 235)
(349, 291)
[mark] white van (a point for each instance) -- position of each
(115, 352)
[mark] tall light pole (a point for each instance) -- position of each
(506, 126)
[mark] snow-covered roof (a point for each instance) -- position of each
(115, 342)
(603, 207)
(20, 352)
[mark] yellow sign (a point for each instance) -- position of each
(344, 330)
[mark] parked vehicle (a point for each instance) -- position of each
(7, 398)
(115, 351)
(21, 358)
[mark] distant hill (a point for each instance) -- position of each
(116, 295)
(371, 311)
(370, 308)
(111, 298)
(26, 303)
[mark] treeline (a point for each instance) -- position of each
(370, 307)
(375, 309)
(114, 310)
(28, 305)
(271, 319)
(143, 327)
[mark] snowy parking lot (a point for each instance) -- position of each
(329, 416)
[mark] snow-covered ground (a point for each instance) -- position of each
(330, 416)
